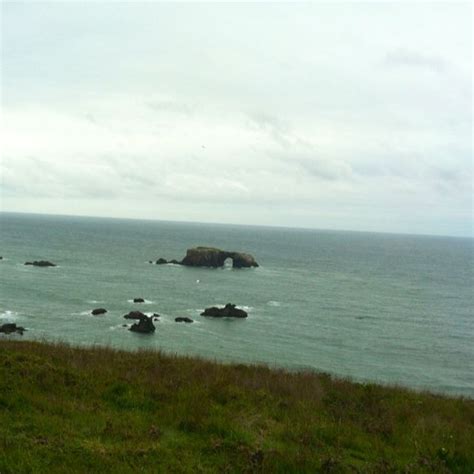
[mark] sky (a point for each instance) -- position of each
(336, 115)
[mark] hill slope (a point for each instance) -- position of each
(65, 409)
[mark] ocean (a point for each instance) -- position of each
(385, 308)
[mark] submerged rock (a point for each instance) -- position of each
(228, 311)
(97, 311)
(41, 263)
(144, 325)
(135, 315)
(212, 257)
(138, 300)
(183, 319)
(161, 261)
(10, 328)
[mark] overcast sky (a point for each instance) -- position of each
(339, 115)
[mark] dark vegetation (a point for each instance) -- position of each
(65, 409)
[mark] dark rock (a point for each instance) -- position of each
(41, 263)
(138, 300)
(155, 319)
(98, 311)
(161, 261)
(183, 320)
(10, 328)
(124, 325)
(212, 257)
(144, 325)
(135, 315)
(229, 310)
(175, 262)
(155, 315)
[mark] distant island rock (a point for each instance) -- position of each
(163, 261)
(138, 300)
(10, 328)
(97, 311)
(228, 311)
(41, 263)
(211, 257)
(183, 319)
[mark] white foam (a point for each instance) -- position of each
(274, 303)
(120, 326)
(145, 302)
(9, 315)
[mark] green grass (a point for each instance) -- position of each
(65, 409)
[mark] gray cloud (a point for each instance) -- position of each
(416, 59)
(270, 111)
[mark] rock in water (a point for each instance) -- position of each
(161, 261)
(212, 257)
(10, 328)
(145, 325)
(138, 300)
(98, 311)
(135, 315)
(228, 311)
(183, 319)
(41, 263)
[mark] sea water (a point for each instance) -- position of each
(394, 309)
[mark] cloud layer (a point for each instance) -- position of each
(343, 116)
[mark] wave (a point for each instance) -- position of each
(8, 315)
(273, 303)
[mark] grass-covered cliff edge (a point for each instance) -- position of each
(65, 409)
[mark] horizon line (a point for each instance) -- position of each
(144, 219)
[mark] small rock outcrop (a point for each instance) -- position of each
(97, 311)
(145, 325)
(41, 263)
(10, 328)
(183, 319)
(161, 261)
(135, 315)
(228, 311)
(212, 257)
(138, 300)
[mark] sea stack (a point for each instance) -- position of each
(228, 311)
(213, 257)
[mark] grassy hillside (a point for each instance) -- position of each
(66, 409)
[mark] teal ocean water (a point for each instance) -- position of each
(394, 309)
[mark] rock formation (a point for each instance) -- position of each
(138, 300)
(144, 325)
(183, 319)
(229, 310)
(135, 315)
(212, 257)
(41, 263)
(10, 328)
(97, 311)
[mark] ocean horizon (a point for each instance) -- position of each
(371, 306)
